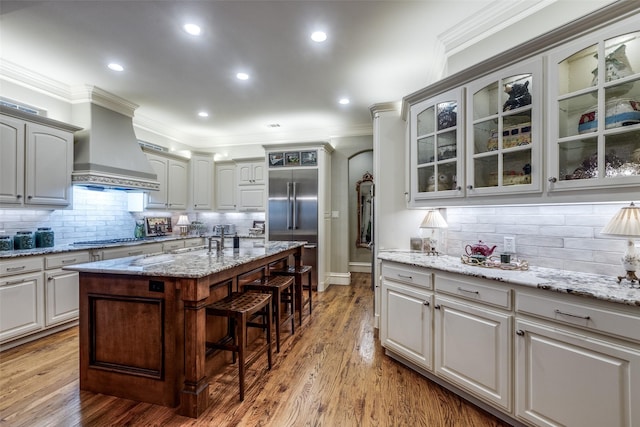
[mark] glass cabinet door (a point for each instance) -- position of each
(595, 74)
(503, 133)
(435, 143)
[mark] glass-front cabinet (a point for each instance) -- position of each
(503, 131)
(437, 148)
(598, 73)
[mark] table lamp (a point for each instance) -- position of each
(626, 223)
(432, 220)
(183, 223)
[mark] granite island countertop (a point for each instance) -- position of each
(596, 286)
(185, 263)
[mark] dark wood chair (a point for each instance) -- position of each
(240, 308)
(298, 274)
(282, 290)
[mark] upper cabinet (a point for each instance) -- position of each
(201, 166)
(225, 186)
(436, 135)
(599, 72)
(251, 172)
(173, 177)
(504, 131)
(36, 161)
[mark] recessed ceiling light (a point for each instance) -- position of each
(242, 76)
(273, 125)
(192, 29)
(318, 36)
(203, 114)
(115, 67)
(344, 101)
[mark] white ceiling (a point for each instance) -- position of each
(376, 52)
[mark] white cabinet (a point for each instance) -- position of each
(436, 148)
(596, 73)
(251, 178)
(21, 305)
(201, 181)
(560, 346)
(407, 324)
(36, 162)
(225, 186)
(504, 142)
(62, 287)
(173, 173)
(472, 349)
(564, 378)
(251, 172)
(172, 245)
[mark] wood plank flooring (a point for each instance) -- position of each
(332, 372)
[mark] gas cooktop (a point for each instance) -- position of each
(110, 241)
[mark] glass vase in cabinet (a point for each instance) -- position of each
(503, 132)
(597, 73)
(436, 148)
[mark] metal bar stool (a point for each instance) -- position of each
(239, 308)
(282, 290)
(298, 274)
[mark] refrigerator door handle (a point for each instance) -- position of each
(295, 207)
(288, 206)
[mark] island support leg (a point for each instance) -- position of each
(194, 397)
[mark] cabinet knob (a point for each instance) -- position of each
(520, 332)
(437, 306)
(29, 197)
(553, 179)
(18, 196)
(426, 303)
(458, 188)
(469, 187)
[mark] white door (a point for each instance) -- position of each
(406, 322)
(177, 184)
(575, 379)
(202, 183)
(21, 305)
(158, 199)
(226, 187)
(472, 349)
(62, 293)
(11, 161)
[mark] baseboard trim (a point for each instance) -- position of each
(342, 279)
(360, 267)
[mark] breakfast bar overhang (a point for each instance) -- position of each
(143, 321)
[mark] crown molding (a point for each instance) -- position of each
(81, 94)
(34, 81)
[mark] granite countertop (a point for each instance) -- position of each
(569, 282)
(71, 247)
(185, 263)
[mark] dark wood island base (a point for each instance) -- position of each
(142, 335)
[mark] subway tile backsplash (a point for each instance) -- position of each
(566, 237)
(100, 215)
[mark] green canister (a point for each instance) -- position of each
(23, 240)
(6, 242)
(44, 237)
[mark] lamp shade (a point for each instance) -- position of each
(183, 220)
(433, 219)
(626, 223)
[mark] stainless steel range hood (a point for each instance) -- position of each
(106, 151)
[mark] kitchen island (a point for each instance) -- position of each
(143, 324)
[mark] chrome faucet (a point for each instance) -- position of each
(211, 240)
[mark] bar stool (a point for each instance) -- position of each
(282, 290)
(239, 308)
(298, 274)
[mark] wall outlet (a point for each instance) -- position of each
(510, 244)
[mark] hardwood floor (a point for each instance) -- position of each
(332, 372)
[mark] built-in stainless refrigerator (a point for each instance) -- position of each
(293, 211)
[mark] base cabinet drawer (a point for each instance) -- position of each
(21, 305)
(569, 379)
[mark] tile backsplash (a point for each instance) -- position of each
(559, 236)
(104, 215)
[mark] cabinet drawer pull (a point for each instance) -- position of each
(520, 332)
(14, 282)
(404, 276)
(68, 261)
(468, 291)
(134, 253)
(22, 267)
(562, 313)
